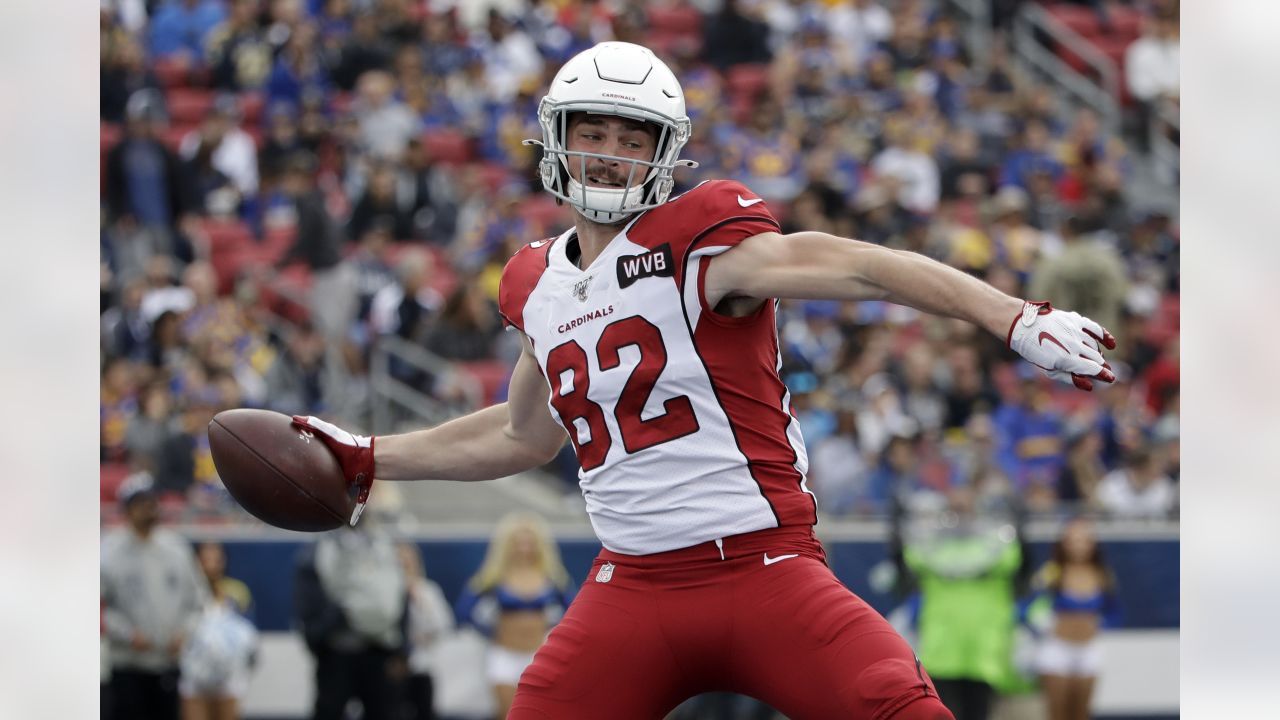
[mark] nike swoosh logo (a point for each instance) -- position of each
(1046, 336)
(769, 561)
(749, 203)
(537, 243)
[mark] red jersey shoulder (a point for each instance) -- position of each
(701, 212)
(720, 200)
(519, 278)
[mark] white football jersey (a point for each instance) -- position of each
(680, 421)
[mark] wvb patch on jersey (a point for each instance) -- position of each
(655, 263)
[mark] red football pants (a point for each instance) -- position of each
(647, 632)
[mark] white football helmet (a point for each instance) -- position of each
(613, 78)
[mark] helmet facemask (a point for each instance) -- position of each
(602, 204)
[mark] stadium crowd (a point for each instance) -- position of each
(287, 181)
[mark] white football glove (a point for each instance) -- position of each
(1065, 345)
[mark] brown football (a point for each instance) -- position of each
(284, 476)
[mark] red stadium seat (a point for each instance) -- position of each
(188, 105)
(493, 376)
(1125, 22)
(682, 20)
(1080, 19)
(110, 477)
(448, 146)
(1114, 48)
(109, 136)
(340, 103)
(223, 234)
(173, 71)
(747, 80)
(494, 176)
(251, 106)
(544, 214)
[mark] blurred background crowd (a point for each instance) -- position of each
(307, 205)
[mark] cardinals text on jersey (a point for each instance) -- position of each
(680, 421)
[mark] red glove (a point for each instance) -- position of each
(354, 454)
(1065, 345)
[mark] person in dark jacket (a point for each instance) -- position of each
(350, 603)
(319, 245)
(144, 188)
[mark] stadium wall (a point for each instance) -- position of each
(1139, 679)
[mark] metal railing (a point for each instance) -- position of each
(389, 392)
(977, 31)
(1034, 60)
(1164, 151)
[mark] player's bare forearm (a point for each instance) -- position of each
(812, 265)
(479, 446)
(495, 442)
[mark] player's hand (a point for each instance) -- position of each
(354, 454)
(1065, 345)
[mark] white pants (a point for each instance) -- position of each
(503, 666)
(1059, 657)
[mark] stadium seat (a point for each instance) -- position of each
(223, 234)
(495, 176)
(1125, 22)
(493, 376)
(111, 474)
(340, 103)
(544, 214)
(251, 106)
(747, 80)
(188, 105)
(1080, 19)
(681, 20)
(1114, 48)
(449, 147)
(109, 135)
(173, 71)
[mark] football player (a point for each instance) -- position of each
(650, 340)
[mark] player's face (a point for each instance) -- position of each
(609, 135)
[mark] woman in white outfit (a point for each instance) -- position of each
(519, 593)
(217, 659)
(430, 619)
(1079, 587)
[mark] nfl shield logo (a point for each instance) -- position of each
(580, 288)
(605, 574)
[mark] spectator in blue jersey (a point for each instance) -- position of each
(1034, 155)
(299, 67)
(520, 591)
(180, 27)
(1030, 433)
(766, 156)
(144, 187)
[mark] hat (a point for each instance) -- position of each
(1010, 198)
(135, 486)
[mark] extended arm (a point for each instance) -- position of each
(495, 442)
(819, 266)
